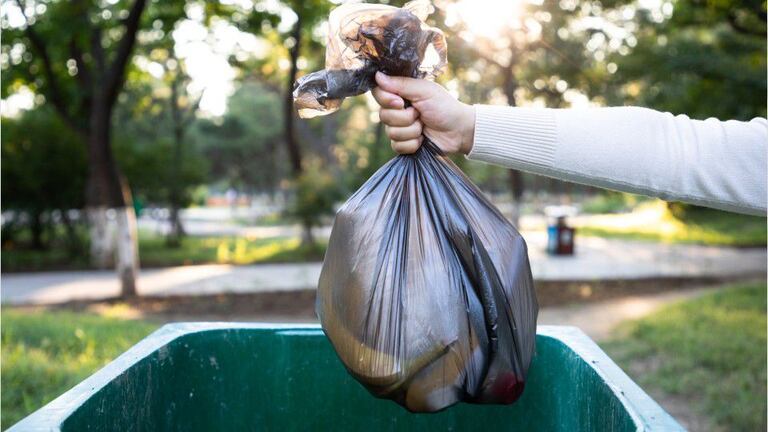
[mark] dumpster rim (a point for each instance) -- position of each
(52, 415)
(634, 399)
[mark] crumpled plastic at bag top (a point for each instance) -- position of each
(365, 38)
(426, 291)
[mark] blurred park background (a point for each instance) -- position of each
(158, 138)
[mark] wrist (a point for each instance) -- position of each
(467, 129)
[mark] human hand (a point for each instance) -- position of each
(434, 113)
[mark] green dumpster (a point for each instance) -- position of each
(243, 377)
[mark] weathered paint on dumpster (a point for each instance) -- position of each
(224, 376)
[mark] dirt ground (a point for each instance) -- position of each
(299, 306)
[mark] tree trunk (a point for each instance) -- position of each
(294, 151)
(292, 143)
(127, 250)
(100, 236)
(36, 226)
(307, 238)
(177, 230)
(516, 184)
(99, 84)
(107, 190)
(516, 187)
(74, 245)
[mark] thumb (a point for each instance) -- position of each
(407, 88)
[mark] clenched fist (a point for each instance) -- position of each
(449, 123)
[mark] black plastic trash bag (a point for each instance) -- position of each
(426, 291)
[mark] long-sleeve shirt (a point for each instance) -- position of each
(713, 163)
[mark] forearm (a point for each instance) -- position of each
(710, 163)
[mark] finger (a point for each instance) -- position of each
(405, 133)
(407, 88)
(406, 147)
(387, 99)
(399, 117)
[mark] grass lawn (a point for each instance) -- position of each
(44, 354)
(225, 250)
(653, 222)
(154, 252)
(709, 352)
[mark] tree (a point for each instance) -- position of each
(76, 55)
(84, 94)
(182, 110)
(153, 146)
(707, 59)
(529, 51)
(299, 39)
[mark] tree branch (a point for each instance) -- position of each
(53, 84)
(83, 72)
(84, 77)
(740, 28)
(97, 51)
(116, 74)
(190, 115)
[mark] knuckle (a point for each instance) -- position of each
(413, 113)
(402, 147)
(401, 119)
(405, 133)
(411, 145)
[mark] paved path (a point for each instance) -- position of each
(596, 259)
(56, 287)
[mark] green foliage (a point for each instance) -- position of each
(226, 250)
(244, 148)
(43, 171)
(654, 222)
(81, 40)
(155, 252)
(710, 352)
(145, 162)
(76, 57)
(707, 60)
(46, 353)
(530, 58)
(315, 194)
(265, 21)
(17, 255)
(43, 163)
(161, 160)
(611, 202)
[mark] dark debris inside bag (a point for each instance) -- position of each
(365, 39)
